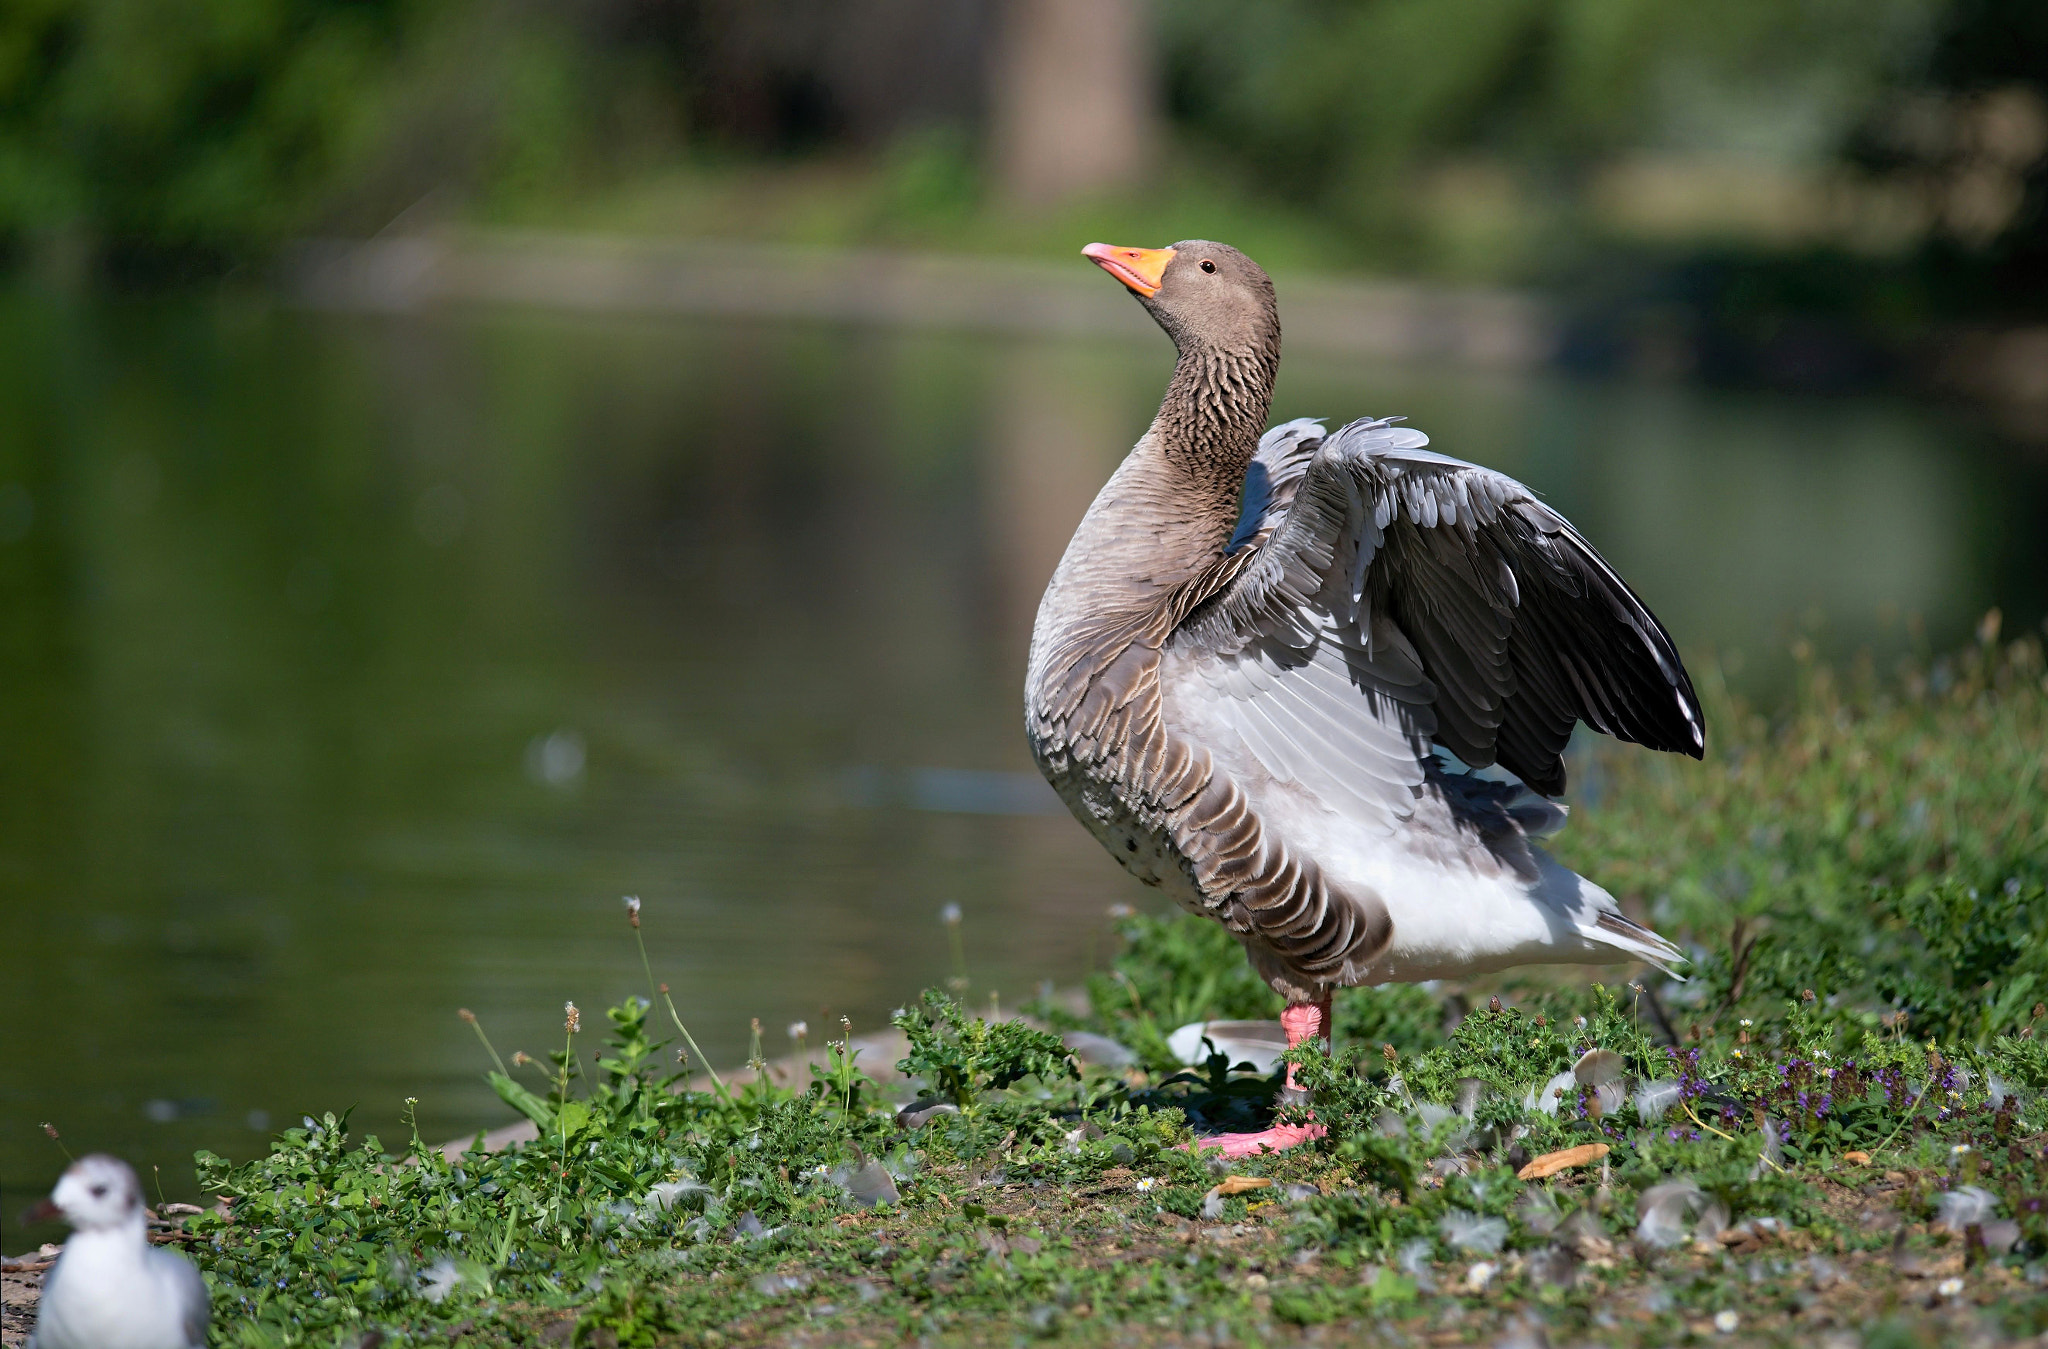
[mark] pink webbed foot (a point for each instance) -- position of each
(1276, 1139)
(1301, 1020)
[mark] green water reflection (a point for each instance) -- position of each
(354, 668)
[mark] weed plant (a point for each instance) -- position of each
(1835, 1125)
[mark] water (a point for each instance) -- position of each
(355, 667)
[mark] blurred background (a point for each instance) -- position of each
(465, 462)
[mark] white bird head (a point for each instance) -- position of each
(98, 1192)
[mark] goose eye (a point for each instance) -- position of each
(99, 1192)
(1208, 266)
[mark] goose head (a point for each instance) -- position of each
(1206, 295)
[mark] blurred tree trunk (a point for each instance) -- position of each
(1075, 98)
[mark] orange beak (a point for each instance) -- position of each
(1139, 268)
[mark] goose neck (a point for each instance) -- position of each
(1209, 422)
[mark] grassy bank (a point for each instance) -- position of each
(1834, 1128)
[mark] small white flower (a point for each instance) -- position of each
(1480, 1275)
(1949, 1287)
(1746, 1024)
(1147, 1183)
(950, 914)
(1726, 1321)
(799, 1029)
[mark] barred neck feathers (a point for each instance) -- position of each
(1209, 422)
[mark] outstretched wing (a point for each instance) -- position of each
(1400, 593)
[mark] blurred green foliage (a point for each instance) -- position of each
(1463, 137)
(1340, 105)
(178, 138)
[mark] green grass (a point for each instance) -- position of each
(1846, 1136)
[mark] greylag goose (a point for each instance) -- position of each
(1255, 654)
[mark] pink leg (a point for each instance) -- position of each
(1301, 1020)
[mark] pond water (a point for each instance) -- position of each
(354, 668)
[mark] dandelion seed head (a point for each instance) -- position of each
(520, 1058)
(799, 1029)
(950, 915)
(633, 910)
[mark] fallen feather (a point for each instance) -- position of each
(1964, 1207)
(1664, 1209)
(1212, 1202)
(1473, 1233)
(1598, 1066)
(1414, 1261)
(1539, 1212)
(775, 1285)
(1652, 1099)
(868, 1184)
(1098, 1050)
(1546, 1097)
